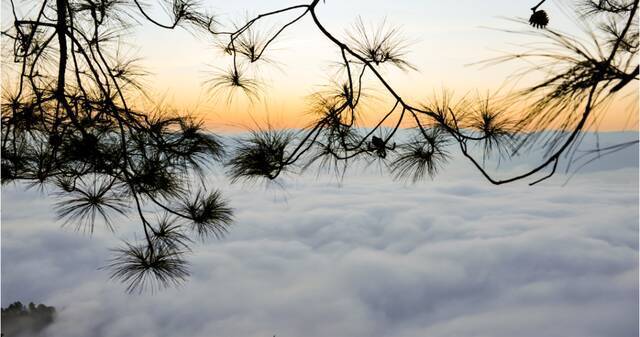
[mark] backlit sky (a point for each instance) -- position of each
(445, 38)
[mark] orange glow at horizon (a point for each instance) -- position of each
(278, 110)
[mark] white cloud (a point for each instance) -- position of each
(453, 257)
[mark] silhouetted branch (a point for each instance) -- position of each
(69, 126)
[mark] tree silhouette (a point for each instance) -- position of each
(20, 320)
(69, 125)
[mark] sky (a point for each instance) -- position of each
(445, 40)
(367, 257)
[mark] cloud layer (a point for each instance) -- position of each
(453, 257)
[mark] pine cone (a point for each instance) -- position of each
(539, 19)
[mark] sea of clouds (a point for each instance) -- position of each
(365, 257)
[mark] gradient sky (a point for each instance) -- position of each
(445, 38)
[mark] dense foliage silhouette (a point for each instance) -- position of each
(20, 320)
